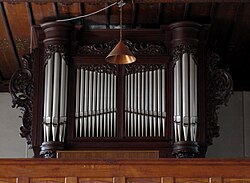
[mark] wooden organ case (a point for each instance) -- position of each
(165, 102)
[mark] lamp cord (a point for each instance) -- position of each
(121, 23)
(87, 15)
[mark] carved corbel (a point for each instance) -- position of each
(21, 90)
(219, 90)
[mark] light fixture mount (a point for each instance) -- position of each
(120, 53)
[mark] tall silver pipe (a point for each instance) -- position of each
(55, 95)
(48, 103)
(63, 93)
(82, 73)
(77, 107)
(185, 97)
(45, 115)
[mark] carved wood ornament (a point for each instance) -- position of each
(21, 89)
(219, 90)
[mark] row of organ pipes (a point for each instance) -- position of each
(185, 98)
(96, 100)
(95, 110)
(55, 98)
(145, 113)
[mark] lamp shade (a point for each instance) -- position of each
(120, 55)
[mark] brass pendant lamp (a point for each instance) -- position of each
(120, 53)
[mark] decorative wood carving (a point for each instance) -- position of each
(219, 89)
(51, 49)
(21, 90)
(104, 68)
(141, 48)
(134, 68)
(183, 48)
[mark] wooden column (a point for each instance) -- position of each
(184, 37)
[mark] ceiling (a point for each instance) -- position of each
(229, 19)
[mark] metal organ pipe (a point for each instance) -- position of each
(77, 102)
(145, 110)
(55, 98)
(193, 98)
(185, 98)
(63, 99)
(96, 92)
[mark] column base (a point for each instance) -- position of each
(49, 149)
(185, 149)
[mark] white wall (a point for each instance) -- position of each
(234, 121)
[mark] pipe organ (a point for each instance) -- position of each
(158, 103)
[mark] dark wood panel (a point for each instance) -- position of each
(191, 180)
(8, 64)
(47, 180)
(99, 18)
(69, 10)
(172, 12)
(7, 180)
(233, 180)
(147, 13)
(20, 27)
(141, 180)
(95, 180)
(56, 170)
(42, 12)
(199, 12)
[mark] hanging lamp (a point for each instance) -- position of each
(120, 53)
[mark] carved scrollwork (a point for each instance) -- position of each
(145, 48)
(21, 90)
(104, 68)
(141, 48)
(181, 49)
(48, 154)
(219, 90)
(96, 49)
(135, 68)
(51, 49)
